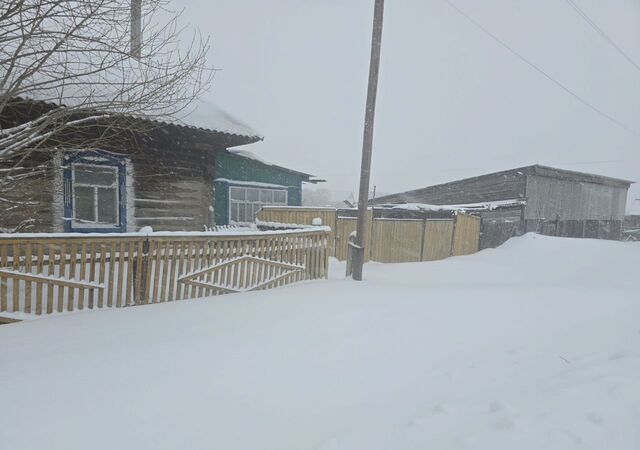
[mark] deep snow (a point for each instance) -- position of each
(535, 345)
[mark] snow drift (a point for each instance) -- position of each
(534, 345)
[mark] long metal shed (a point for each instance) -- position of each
(547, 200)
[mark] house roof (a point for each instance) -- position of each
(242, 153)
(207, 116)
(202, 116)
(100, 80)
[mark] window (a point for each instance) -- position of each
(94, 192)
(245, 202)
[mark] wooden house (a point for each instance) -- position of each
(177, 176)
(535, 198)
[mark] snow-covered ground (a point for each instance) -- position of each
(535, 345)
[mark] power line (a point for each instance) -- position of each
(540, 71)
(602, 34)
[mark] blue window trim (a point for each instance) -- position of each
(98, 158)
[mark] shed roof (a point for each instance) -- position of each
(553, 172)
(535, 169)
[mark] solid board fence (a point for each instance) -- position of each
(43, 274)
(302, 216)
(389, 240)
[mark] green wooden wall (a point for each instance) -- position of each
(238, 168)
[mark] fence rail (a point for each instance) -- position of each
(43, 274)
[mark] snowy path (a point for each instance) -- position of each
(535, 345)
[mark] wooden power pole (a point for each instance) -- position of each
(136, 29)
(358, 250)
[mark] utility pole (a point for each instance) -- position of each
(358, 249)
(136, 29)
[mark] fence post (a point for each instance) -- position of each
(422, 241)
(453, 233)
(141, 296)
(351, 249)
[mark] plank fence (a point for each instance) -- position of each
(389, 240)
(43, 274)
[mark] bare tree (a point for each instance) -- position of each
(89, 62)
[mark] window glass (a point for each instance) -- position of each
(253, 195)
(95, 194)
(280, 197)
(237, 193)
(95, 175)
(84, 203)
(233, 212)
(266, 196)
(107, 205)
(245, 203)
(242, 216)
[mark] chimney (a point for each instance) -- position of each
(136, 29)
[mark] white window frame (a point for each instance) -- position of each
(116, 185)
(258, 202)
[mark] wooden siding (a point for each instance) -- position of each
(26, 200)
(169, 187)
(173, 188)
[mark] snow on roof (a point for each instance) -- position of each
(250, 155)
(257, 184)
(208, 116)
(202, 115)
(484, 206)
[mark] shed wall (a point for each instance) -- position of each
(552, 199)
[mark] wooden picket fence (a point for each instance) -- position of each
(42, 274)
(389, 240)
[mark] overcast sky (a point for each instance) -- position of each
(452, 102)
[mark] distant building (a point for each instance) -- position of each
(537, 199)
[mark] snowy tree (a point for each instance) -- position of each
(87, 65)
